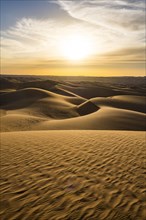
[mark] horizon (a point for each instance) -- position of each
(69, 38)
(68, 76)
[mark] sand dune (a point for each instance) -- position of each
(62, 91)
(73, 175)
(87, 108)
(134, 103)
(89, 91)
(24, 95)
(104, 119)
(29, 95)
(23, 109)
(72, 150)
(40, 84)
(55, 111)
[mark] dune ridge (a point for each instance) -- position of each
(56, 111)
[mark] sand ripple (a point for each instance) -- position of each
(73, 175)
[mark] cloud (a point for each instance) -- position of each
(116, 29)
(38, 38)
(119, 25)
(135, 54)
(119, 15)
(28, 37)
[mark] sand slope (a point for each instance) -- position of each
(21, 109)
(104, 119)
(55, 111)
(129, 102)
(73, 175)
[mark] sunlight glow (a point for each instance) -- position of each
(76, 47)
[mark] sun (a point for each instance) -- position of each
(76, 47)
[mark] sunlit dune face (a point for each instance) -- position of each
(76, 47)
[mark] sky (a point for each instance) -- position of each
(73, 37)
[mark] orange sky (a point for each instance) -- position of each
(69, 38)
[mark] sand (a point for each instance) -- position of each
(73, 175)
(39, 109)
(72, 150)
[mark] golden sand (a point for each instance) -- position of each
(73, 175)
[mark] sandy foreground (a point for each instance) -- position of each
(73, 175)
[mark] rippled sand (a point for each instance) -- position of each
(71, 175)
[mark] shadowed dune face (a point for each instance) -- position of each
(73, 175)
(66, 106)
(87, 108)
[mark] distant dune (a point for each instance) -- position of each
(41, 109)
(72, 149)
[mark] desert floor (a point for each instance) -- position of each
(73, 149)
